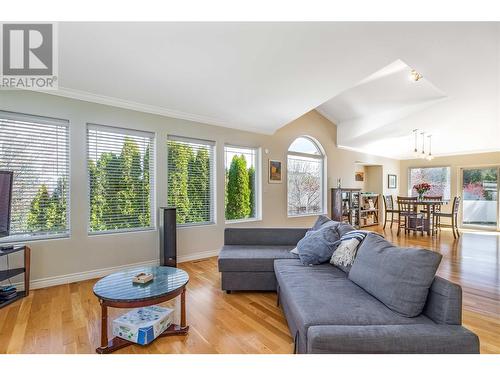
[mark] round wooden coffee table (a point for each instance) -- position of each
(117, 290)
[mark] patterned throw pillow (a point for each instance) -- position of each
(345, 254)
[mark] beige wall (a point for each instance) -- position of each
(456, 162)
(375, 179)
(81, 253)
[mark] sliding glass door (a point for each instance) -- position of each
(480, 197)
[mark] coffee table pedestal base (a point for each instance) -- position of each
(117, 343)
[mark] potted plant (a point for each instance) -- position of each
(421, 189)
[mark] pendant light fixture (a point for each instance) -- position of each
(415, 135)
(422, 154)
(430, 156)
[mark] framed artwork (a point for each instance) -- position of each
(275, 172)
(392, 181)
(359, 176)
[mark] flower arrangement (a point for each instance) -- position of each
(422, 188)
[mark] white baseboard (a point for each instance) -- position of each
(200, 255)
(87, 275)
(94, 274)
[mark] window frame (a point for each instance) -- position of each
(258, 184)
(410, 185)
(44, 236)
(213, 176)
(323, 180)
(152, 187)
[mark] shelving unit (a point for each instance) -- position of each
(9, 273)
(368, 212)
(344, 203)
(354, 207)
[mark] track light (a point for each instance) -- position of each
(415, 76)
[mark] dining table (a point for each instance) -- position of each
(429, 207)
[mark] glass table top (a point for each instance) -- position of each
(119, 287)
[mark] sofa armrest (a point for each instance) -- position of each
(444, 302)
(410, 338)
(263, 236)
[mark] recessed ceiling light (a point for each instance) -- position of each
(415, 76)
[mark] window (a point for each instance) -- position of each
(480, 196)
(121, 179)
(191, 175)
(36, 149)
(437, 177)
(242, 181)
(306, 191)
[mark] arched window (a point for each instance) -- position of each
(306, 177)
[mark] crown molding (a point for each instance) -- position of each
(146, 108)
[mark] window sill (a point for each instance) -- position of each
(306, 215)
(249, 220)
(23, 239)
(120, 231)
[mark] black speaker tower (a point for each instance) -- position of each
(168, 236)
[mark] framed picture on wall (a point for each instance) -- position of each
(275, 172)
(392, 181)
(359, 176)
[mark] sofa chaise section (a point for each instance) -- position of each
(246, 261)
(328, 313)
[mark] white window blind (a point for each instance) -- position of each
(191, 173)
(121, 179)
(242, 183)
(36, 149)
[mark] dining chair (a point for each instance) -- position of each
(409, 217)
(453, 215)
(434, 208)
(389, 209)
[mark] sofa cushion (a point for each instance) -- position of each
(263, 236)
(243, 258)
(398, 277)
(392, 339)
(318, 246)
(322, 295)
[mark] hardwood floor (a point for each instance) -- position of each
(66, 318)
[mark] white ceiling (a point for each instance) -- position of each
(387, 91)
(261, 76)
(364, 111)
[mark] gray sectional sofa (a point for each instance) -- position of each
(329, 313)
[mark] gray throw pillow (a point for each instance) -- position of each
(318, 246)
(322, 219)
(398, 277)
(344, 228)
